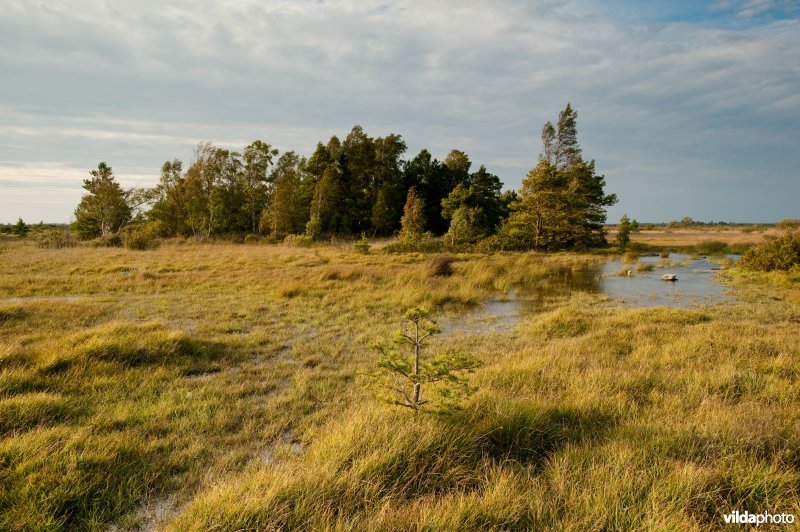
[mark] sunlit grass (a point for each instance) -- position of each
(220, 384)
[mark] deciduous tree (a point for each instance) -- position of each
(257, 182)
(286, 213)
(169, 210)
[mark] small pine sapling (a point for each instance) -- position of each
(362, 246)
(401, 376)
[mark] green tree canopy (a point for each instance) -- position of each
(624, 231)
(562, 201)
(169, 209)
(413, 221)
(359, 184)
(256, 180)
(20, 228)
(104, 210)
(286, 213)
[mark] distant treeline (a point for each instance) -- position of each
(360, 185)
(20, 228)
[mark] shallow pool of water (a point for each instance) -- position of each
(696, 285)
(696, 282)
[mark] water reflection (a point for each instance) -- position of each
(696, 284)
(643, 287)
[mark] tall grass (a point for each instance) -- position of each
(220, 383)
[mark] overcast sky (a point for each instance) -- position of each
(689, 108)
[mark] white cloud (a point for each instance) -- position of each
(138, 83)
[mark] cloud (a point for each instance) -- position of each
(660, 99)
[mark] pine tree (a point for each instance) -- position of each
(285, 214)
(433, 182)
(413, 221)
(20, 228)
(566, 151)
(169, 210)
(548, 143)
(104, 210)
(624, 232)
(382, 218)
(388, 191)
(562, 201)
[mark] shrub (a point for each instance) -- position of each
(236, 238)
(489, 244)
(362, 245)
(465, 226)
(424, 243)
(783, 253)
(139, 237)
(110, 241)
(20, 228)
(441, 266)
(507, 238)
(788, 223)
(299, 241)
(56, 239)
(624, 231)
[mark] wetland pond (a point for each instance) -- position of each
(625, 283)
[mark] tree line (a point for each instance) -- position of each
(360, 185)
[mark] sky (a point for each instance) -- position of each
(689, 108)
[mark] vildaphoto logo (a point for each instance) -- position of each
(746, 518)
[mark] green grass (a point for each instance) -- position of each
(218, 386)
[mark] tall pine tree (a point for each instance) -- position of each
(562, 201)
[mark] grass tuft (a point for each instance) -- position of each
(441, 266)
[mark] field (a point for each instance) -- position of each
(735, 238)
(221, 386)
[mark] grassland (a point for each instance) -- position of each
(217, 386)
(711, 239)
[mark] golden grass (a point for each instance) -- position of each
(217, 386)
(690, 237)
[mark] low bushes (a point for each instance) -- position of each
(299, 241)
(56, 239)
(422, 244)
(140, 238)
(783, 254)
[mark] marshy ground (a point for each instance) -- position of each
(202, 386)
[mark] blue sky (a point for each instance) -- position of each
(689, 108)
